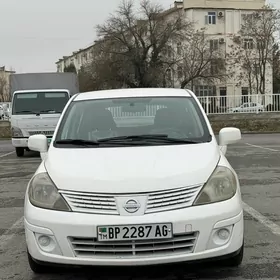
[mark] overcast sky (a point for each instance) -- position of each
(36, 33)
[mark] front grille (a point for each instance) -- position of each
(91, 203)
(91, 248)
(41, 132)
(171, 199)
(105, 204)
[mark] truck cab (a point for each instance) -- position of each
(35, 112)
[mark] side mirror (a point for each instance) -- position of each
(38, 143)
(229, 135)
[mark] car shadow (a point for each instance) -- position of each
(163, 272)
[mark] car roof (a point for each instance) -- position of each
(135, 92)
(40, 90)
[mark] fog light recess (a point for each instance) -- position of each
(222, 236)
(44, 240)
(47, 243)
(223, 233)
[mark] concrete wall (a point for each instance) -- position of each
(264, 122)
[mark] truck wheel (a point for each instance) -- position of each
(19, 152)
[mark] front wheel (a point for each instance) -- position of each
(19, 151)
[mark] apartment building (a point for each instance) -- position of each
(79, 58)
(223, 20)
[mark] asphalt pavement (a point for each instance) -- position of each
(257, 161)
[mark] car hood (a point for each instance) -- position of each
(131, 169)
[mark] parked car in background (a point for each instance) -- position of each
(249, 107)
(133, 177)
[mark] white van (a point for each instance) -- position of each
(35, 112)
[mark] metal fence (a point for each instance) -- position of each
(240, 103)
(228, 104)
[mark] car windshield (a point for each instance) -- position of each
(39, 102)
(132, 121)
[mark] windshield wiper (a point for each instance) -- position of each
(78, 142)
(148, 137)
(50, 111)
(28, 111)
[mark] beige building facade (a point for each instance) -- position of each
(79, 58)
(222, 20)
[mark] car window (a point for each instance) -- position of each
(39, 102)
(178, 117)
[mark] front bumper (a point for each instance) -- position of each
(20, 142)
(199, 224)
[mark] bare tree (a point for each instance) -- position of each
(133, 42)
(246, 63)
(3, 88)
(276, 69)
(254, 47)
(103, 71)
(200, 57)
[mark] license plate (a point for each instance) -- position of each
(134, 232)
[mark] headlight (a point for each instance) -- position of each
(44, 194)
(221, 186)
(16, 132)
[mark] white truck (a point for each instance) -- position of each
(38, 100)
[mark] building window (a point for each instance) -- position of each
(261, 45)
(223, 96)
(169, 51)
(179, 48)
(180, 72)
(245, 95)
(211, 18)
(203, 91)
(214, 45)
(248, 44)
(168, 75)
(214, 67)
(246, 18)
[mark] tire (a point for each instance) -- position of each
(36, 267)
(20, 152)
(236, 260)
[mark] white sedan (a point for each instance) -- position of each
(133, 177)
(249, 107)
